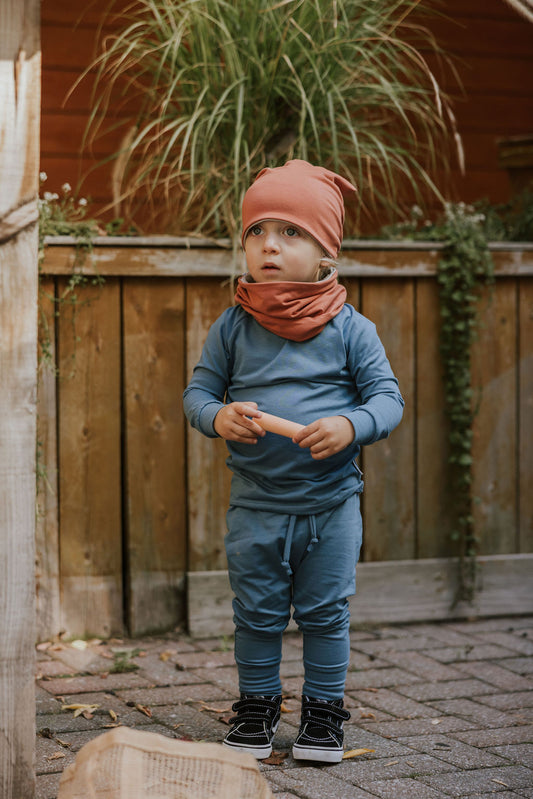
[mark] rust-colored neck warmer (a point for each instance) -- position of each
(292, 310)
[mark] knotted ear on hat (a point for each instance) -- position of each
(310, 197)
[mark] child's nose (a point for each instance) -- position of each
(271, 241)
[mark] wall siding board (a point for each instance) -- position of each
(495, 425)
(389, 465)
(90, 461)
(433, 499)
(208, 475)
(153, 376)
(525, 410)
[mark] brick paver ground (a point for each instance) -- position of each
(443, 709)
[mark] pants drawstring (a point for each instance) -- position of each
(289, 537)
(288, 544)
(314, 536)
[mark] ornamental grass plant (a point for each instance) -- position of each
(224, 89)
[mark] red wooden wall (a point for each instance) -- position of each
(492, 48)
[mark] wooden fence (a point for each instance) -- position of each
(132, 501)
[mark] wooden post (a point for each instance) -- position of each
(20, 62)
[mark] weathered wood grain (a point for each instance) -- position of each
(20, 74)
(433, 501)
(389, 465)
(495, 426)
(90, 505)
(208, 475)
(155, 465)
(525, 416)
(48, 599)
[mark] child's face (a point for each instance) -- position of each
(277, 250)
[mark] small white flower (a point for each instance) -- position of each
(66, 187)
(82, 201)
(48, 196)
(43, 176)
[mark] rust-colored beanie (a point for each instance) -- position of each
(310, 197)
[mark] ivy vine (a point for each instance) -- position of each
(464, 270)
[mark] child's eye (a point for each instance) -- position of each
(292, 231)
(256, 230)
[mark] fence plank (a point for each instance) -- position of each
(525, 398)
(48, 602)
(389, 465)
(89, 461)
(208, 475)
(153, 314)
(495, 426)
(433, 500)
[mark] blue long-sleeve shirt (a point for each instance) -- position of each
(341, 371)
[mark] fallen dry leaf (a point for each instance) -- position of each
(285, 709)
(81, 709)
(164, 656)
(56, 756)
(205, 706)
(356, 752)
(113, 714)
(276, 758)
(226, 718)
(367, 714)
(145, 710)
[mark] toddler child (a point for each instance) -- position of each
(292, 347)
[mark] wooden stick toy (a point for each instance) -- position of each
(275, 424)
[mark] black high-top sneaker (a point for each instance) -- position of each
(254, 725)
(321, 736)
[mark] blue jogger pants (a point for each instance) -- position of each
(280, 560)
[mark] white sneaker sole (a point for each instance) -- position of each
(259, 752)
(316, 753)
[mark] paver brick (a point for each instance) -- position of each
(513, 641)
(512, 701)
(424, 666)
(365, 770)
(315, 783)
(177, 694)
(470, 652)
(498, 675)
(450, 689)
(422, 726)
(509, 735)
(476, 712)
(455, 752)
(395, 704)
(81, 685)
(481, 780)
(378, 678)
(402, 789)
(523, 666)
(517, 753)
(46, 786)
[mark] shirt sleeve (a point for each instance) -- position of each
(382, 404)
(206, 391)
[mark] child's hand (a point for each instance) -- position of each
(233, 424)
(325, 437)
